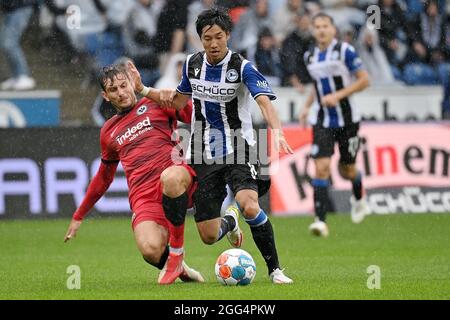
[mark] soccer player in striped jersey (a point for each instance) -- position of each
(222, 149)
(337, 72)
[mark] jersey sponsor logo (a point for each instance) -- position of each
(213, 92)
(135, 131)
(112, 133)
(232, 75)
(262, 84)
(141, 110)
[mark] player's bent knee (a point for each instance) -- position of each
(347, 172)
(151, 252)
(323, 173)
(175, 181)
(169, 178)
(250, 209)
(248, 203)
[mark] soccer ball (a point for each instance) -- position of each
(235, 267)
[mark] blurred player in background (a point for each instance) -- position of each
(337, 72)
(220, 82)
(140, 136)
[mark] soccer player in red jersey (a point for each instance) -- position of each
(140, 137)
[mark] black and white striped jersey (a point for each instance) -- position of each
(220, 95)
(332, 70)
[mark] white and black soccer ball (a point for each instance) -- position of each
(235, 267)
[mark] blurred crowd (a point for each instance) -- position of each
(411, 45)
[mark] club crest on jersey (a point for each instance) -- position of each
(232, 75)
(141, 110)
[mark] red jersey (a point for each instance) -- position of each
(142, 139)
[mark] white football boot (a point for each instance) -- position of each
(360, 208)
(234, 236)
(278, 277)
(319, 228)
(190, 275)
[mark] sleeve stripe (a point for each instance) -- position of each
(244, 63)
(109, 161)
(343, 49)
(184, 93)
(265, 94)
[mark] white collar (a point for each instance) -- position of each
(224, 60)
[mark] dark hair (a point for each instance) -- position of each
(322, 15)
(428, 3)
(109, 72)
(211, 17)
(265, 32)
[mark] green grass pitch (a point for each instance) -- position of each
(412, 252)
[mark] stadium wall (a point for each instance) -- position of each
(44, 172)
(30, 109)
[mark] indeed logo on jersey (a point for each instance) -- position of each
(223, 92)
(135, 131)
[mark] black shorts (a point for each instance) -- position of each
(346, 137)
(212, 180)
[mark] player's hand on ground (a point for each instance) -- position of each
(135, 77)
(330, 100)
(166, 96)
(72, 230)
(303, 116)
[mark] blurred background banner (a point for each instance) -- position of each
(30, 109)
(406, 169)
(44, 172)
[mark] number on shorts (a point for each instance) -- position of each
(353, 146)
(252, 170)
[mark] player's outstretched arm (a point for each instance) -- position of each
(96, 189)
(72, 230)
(168, 98)
(271, 117)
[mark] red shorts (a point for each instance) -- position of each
(151, 210)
